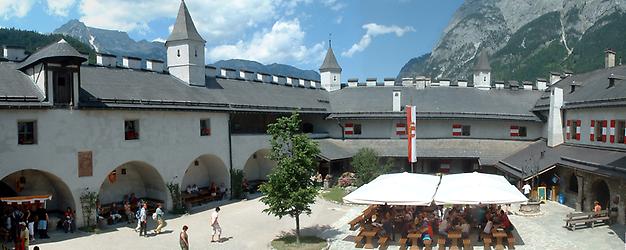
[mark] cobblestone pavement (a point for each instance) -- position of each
(244, 226)
(541, 232)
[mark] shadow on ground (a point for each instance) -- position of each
(322, 231)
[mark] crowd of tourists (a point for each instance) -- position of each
(24, 223)
(403, 220)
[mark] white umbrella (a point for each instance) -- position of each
(396, 189)
(477, 188)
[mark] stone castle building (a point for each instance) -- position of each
(67, 126)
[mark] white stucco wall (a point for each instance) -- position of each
(62, 133)
(586, 115)
(330, 81)
(185, 60)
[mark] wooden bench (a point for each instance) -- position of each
(355, 222)
(382, 242)
(441, 243)
(402, 243)
(467, 244)
(200, 197)
(575, 220)
(511, 240)
(486, 241)
(358, 241)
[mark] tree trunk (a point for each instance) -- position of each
(298, 229)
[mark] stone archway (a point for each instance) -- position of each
(136, 177)
(205, 170)
(258, 166)
(37, 182)
(601, 193)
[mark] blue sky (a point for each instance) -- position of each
(370, 38)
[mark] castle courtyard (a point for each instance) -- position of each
(246, 227)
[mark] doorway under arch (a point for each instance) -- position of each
(258, 166)
(205, 170)
(601, 193)
(37, 182)
(136, 177)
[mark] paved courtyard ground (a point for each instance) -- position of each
(246, 227)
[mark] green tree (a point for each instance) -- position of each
(366, 166)
(289, 190)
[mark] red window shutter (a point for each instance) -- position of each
(612, 130)
(604, 131)
(348, 129)
(457, 129)
(400, 129)
(578, 130)
(592, 131)
(514, 131)
(567, 129)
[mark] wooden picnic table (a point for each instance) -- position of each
(454, 235)
(369, 237)
(499, 235)
(414, 237)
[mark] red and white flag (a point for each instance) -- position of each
(410, 129)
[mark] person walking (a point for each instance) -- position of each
(184, 239)
(159, 218)
(217, 230)
(143, 219)
(526, 188)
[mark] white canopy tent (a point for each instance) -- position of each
(477, 188)
(397, 189)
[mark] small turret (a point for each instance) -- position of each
(482, 72)
(330, 71)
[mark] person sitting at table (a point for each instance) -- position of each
(115, 213)
(188, 189)
(487, 228)
(213, 190)
(443, 226)
(195, 189)
(387, 226)
(465, 228)
(505, 223)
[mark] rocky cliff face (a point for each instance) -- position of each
(112, 41)
(517, 33)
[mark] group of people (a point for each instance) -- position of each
(217, 192)
(23, 223)
(403, 220)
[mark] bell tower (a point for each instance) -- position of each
(185, 50)
(330, 71)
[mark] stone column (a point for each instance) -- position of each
(579, 198)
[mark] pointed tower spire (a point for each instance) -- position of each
(184, 29)
(330, 71)
(185, 50)
(330, 62)
(482, 64)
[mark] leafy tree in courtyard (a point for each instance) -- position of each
(366, 166)
(289, 190)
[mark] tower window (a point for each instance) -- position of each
(196, 53)
(178, 53)
(485, 79)
(334, 78)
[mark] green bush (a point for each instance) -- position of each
(237, 180)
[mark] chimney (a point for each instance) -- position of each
(241, 75)
(555, 122)
(370, 81)
(318, 84)
(528, 85)
(397, 100)
(609, 58)
(407, 81)
(301, 83)
(289, 81)
(106, 60)
(131, 62)
(542, 84)
(567, 73)
(389, 81)
(499, 84)
(228, 73)
(14, 53)
(274, 79)
(554, 77)
(258, 77)
(353, 82)
(462, 83)
(309, 84)
(444, 83)
(211, 70)
(154, 65)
